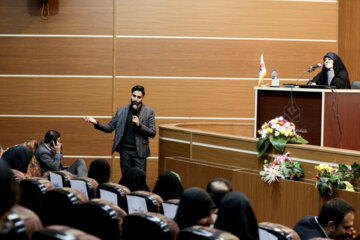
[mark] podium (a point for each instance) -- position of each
(324, 117)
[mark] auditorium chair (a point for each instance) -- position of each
(91, 185)
(268, 230)
(33, 191)
(65, 177)
(60, 232)
(169, 207)
(100, 218)
(152, 201)
(31, 221)
(204, 233)
(58, 204)
(13, 228)
(149, 225)
(113, 192)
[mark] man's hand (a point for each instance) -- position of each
(57, 147)
(90, 120)
(135, 120)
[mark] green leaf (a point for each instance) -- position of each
(260, 143)
(343, 168)
(263, 147)
(356, 169)
(298, 139)
(279, 142)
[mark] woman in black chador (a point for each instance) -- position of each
(333, 73)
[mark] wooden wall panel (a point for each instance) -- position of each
(349, 36)
(56, 96)
(192, 97)
(66, 17)
(229, 18)
(62, 56)
(216, 58)
(77, 136)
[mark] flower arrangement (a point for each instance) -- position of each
(281, 168)
(278, 132)
(330, 178)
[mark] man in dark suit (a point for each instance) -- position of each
(335, 221)
(49, 156)
(133, 125)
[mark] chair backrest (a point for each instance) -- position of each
(85, 185)
(60, 232)
(113, 192)
(33, 191)
(355, 85)
(268, 230)
(60, 178)
(143, 201)
(13, 228)
(204, 233)
(149, 225)
(100, 218)
(31, 221)
(58, 204)
(169, 208)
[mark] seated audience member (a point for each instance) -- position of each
(168, 186)
(335, 221)
(236, 216)
(217, 188)
(333, 73)
(196, 207)
(135, 180)
(18, 157)
(99, 170)
(10, 192)
(34, 169)
(49, 156)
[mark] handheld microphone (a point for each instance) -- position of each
(134, 106)
(312, 68)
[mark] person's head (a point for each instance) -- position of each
(217, 188)
(135, 180)
(99, 170)
(9, 188)
(51, 135)
(337, 218)
(196, 207)
(337, 63)
(18, 157)
(32, 145)
(168, 186)
(236, 216)
(137, 95)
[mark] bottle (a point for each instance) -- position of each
(274, 79)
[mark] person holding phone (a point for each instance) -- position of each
(133, 124)
(49, 155)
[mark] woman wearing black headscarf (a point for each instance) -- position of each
(18, 157)
(333, 73)
(196, 207)
(236, 216)
(135, 180)
(99, 170)
(168, 186)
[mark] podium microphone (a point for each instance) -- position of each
(312, 68)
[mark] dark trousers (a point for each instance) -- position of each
(129, 158)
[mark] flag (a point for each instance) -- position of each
(262, 70)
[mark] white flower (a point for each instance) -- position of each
(272, 174)
(263, 133)
(277, 133)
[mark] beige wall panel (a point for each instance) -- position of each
(216, 58)
(192, 97)
(56, 96)
(349, 37)
(66, 17)
(63, 56)
(77, 136)
(229, 18)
